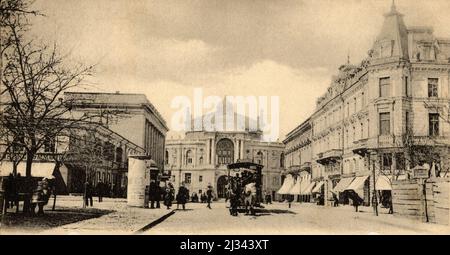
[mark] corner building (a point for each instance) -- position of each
(373, 111)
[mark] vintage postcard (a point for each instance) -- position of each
(233, 117)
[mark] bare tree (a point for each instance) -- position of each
(34, 79)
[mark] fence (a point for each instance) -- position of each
(427, 201)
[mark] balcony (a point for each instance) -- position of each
(330, 156)
(360, 147)
(385, 141)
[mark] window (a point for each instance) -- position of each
(119, 155)
(200, 178)
(387, 161)
(385, 123)
(433, 120)
(259, 157)
(108, 151)
(407, 122)
(354, 134)
(400, 161)
(166, 158)
(385, 87)
(225, 151)
(187, 178)
(433, 87)
(362, 131)
(363, 100)
(406, 86)
(188, 157)
(200, 160)
(49, 145)
(348, 109)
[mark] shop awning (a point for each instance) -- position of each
(357, 183)
(318, 187)
(287, 185)
(295, 190)
(383, 183)
(309, 188)
(342, 184)
(38, 169)
(306, 181)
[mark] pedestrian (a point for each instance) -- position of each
(88, 194)
(152, 193)
(40, 196)
(99, 191)
(336, 200)
(391, 207)
(209, 196)
(169, 195)
(355, 200)
(182, 196)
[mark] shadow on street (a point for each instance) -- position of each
(51, 219)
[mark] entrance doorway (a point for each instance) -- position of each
(221, 186)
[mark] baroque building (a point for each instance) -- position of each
(377, 115)
(201, 158)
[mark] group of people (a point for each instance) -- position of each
(241, 190)
(11, 186)
(101, 190)
(167, 195)
(15, 185)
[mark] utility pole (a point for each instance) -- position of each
(374, 199)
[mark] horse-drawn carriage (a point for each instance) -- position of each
(244, 188)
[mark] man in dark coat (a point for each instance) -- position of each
(182, 196)
(88, 196)
(209, 196)
(169, 195)
(99, 189)
(154, 191)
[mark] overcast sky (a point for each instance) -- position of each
(285, 48)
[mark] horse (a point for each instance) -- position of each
(250, 198)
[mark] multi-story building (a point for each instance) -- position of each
(374, 112)
(298, 158)
(133, 116)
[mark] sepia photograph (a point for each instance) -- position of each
(224, 117)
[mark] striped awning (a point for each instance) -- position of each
(317, 187)
(342, 184)
(296, 188)
(383, 183)
(309, 188)
(287, 185)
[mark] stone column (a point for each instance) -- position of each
(213, 152)
(242, 149)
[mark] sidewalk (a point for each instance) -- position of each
(112, 216)
(367, 215)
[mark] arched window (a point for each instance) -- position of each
(259, 158)
(225, 151)
(200, 161)
(188, 157)
(166, 158)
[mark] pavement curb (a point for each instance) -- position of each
(155, 222)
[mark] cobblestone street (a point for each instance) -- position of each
(300, 219)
